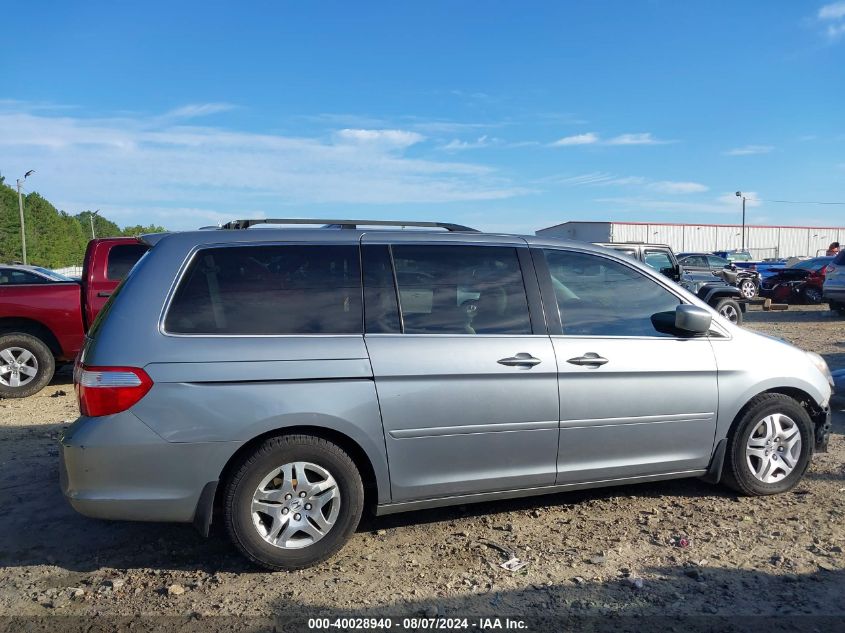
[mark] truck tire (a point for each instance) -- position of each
(26, 365)
(729, 309)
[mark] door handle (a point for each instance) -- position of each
(522, 359)
(590, 359)
(104, 294)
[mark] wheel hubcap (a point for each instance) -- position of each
(295, 505)
(18, 367)
(747, 289)
(773, 448)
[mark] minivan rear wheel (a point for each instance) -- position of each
(293, 502)
(770, 448)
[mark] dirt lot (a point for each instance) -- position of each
(614, 551)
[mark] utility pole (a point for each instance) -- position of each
(739, 195)
(20, 208)
(91, 217)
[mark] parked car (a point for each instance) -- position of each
(17, 275)
(800, 283)
(717, 293)
(44, 315)
(747, 280)
(833, 290)
(292, 377)
(735, 256)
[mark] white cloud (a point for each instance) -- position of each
(603, 179)
(147, 165)
(641, 138)
(669, 186)
(193, 110)
(832, 11)
(749, 150)
(832, 17)
(391, 138)
(456, 145)
(578, 139)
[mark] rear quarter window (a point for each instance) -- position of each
(122, 258)
(265, 290)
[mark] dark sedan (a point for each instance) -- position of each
(800, 283)
(748, 281)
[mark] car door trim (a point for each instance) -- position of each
(472, 429)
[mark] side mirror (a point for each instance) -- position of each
(690, 318)
(672, 272)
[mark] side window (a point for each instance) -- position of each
(445, 289)
(289, 289)
(694, 260)
(12, 277)
(717, 262)
(122, 258)
(381, 308)
(597, 296)
(659, 260)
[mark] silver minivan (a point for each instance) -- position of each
(282, 380)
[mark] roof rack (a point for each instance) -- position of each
(346, 224)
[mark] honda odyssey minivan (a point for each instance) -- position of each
(281, 380)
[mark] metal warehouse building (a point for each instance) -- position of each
(762, 241)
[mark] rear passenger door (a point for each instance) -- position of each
(464, 369)
(636, 397)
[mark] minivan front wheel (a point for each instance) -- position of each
(294, 502)
(770, 448)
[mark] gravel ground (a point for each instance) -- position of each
(673, 548)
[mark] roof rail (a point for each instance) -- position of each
(346, 224)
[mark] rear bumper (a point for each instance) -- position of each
(116, 467)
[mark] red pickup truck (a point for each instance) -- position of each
(43, 318)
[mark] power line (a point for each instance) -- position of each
(796, 201)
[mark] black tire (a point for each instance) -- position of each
(738, 473)
(748, 288)
(812, 296)
(729, 309)
(14, 345)
(837, 307)
(273, 454)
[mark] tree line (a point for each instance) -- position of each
(54, 238)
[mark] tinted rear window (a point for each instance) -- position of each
(289, 289)
(122, 258)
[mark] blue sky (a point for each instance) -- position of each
(508, 116)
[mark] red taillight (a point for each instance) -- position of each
(108, 390)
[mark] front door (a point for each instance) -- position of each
(637, 398)
(466, 377)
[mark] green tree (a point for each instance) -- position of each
(53, 238)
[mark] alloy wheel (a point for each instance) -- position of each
(18, 367)
(748, 289)
(730, 313)
(773, 448)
